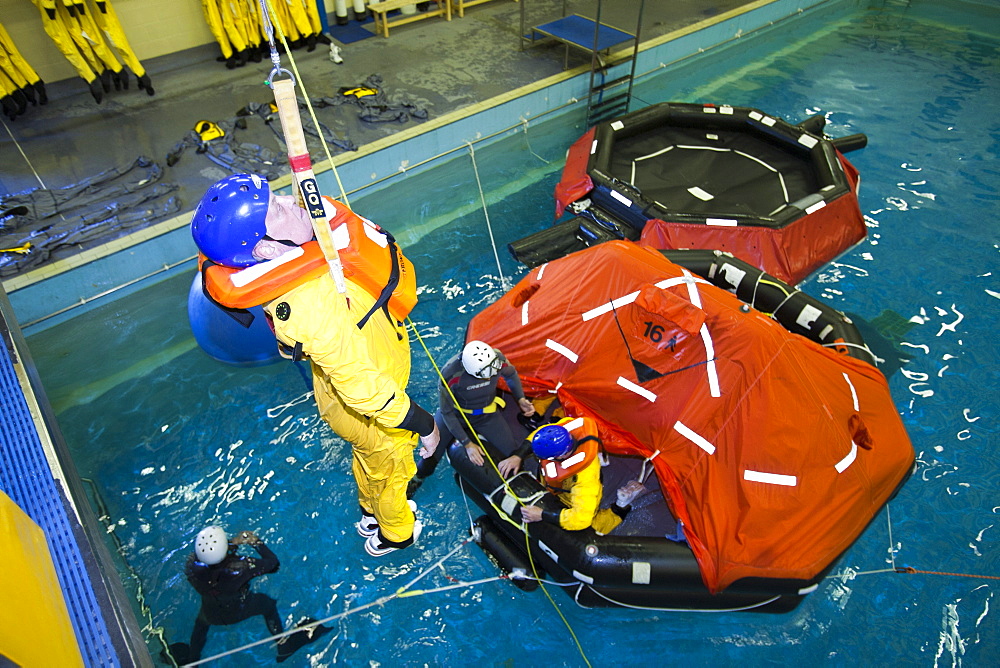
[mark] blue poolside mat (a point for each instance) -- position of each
(354, 31)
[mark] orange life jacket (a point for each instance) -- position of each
(366, 253)
(584, 433)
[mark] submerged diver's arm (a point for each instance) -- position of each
(267, 562)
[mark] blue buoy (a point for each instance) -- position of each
(224, 339)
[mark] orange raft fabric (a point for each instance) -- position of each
(575, 181)
(363, 253)
(775, 452)
(790, 253)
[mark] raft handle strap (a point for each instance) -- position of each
(643, 473)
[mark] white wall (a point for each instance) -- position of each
(153, 28)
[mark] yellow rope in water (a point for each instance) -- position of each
(305, 96)
(437, 369)
(500, 512)
(402, 592)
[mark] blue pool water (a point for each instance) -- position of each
(174, 441)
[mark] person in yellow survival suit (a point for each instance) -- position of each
(570, 468)
(359, 374)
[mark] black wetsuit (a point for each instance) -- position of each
(474, 394)
(225, 593)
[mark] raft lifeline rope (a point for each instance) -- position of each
(402, 592)
(486, 212)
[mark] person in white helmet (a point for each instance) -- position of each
(222, 577)
(471, 377)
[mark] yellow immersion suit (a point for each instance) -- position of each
(107, 20)
(299, 18)
(213, 17)
(234, 23)
(8, 92)
(59, 34)
(582, 492)
(16, 67)
(88, 37)
(359, 378)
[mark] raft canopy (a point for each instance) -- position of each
(774, 451)
(728, 178)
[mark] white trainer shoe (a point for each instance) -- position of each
(368, 526)
(376, 548)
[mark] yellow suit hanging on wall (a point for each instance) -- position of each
(19, 83)
(107, 21)
(79, 31)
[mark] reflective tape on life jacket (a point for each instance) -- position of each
(497, 404)
(584, 433)
(369, 255)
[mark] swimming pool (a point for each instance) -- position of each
(173, 441)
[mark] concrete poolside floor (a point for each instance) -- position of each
(433, 64)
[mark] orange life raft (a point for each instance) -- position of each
(774, 439)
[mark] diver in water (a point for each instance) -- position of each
(222, 577)
(469, 386)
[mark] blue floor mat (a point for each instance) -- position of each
(354, 31)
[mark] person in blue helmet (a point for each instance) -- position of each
(240, 222)
(570, 467)
(360, 364)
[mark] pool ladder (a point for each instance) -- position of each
(610, 98)
(605, 99)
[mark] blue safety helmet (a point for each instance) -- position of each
(552, 441)
(229, 220)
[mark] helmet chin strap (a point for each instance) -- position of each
(268, 247)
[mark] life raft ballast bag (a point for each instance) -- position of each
(366, 252)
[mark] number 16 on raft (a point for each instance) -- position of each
(301, 164)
